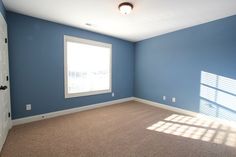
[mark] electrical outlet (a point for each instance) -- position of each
(164, 97)
(28, 107)
(112, 94)
(173, 99)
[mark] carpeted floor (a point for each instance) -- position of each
(129, 129)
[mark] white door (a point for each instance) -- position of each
(5, 109)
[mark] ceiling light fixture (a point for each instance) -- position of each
(125, 8)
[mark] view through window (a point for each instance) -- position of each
(87, 67)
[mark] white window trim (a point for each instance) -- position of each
(90, 42)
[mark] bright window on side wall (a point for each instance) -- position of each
(88, 67)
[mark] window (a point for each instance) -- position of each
(87, 67)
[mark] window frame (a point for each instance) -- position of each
(89, 42)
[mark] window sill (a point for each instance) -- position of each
(67, 95)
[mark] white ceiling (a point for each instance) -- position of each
(148, 19)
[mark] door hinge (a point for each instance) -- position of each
(9, 114)
(5, 40)
(7, 78)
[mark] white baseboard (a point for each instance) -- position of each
(167, 107)
(183, 111)
(93, 106)
(68, 111)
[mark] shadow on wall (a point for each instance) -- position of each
(218, 96)
(202, 129)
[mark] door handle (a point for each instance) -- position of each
(3, 87)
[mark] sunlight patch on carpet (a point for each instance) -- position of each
(197, 128)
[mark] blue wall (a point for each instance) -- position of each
(2, 9)
(36, 66)
(171, 64)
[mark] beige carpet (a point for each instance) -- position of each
(129, 129)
